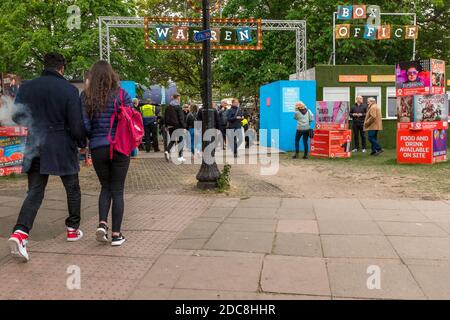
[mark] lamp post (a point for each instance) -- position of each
(209, 173)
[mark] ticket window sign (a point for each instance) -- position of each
(291, 96)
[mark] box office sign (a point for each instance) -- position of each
(373, 29)
(166, 33)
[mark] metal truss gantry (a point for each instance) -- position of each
(297, 26)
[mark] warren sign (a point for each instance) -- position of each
(373, 29)
(167, 33)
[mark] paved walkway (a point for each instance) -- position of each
(197, 247)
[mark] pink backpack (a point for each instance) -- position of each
(129, 131)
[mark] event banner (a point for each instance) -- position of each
(373, 29)
(423, 146)
(332, 115)
(421, 77)
(172, 33)
(422, 108)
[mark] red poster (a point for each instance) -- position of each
(438, 125)
(415, 146)
(331, 143)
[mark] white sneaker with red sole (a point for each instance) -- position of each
(18, 245)
(74, 234)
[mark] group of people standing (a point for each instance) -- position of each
(365, 118)
(60, 121)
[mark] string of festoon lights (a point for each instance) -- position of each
(198, 8)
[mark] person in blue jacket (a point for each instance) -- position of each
(98, 103)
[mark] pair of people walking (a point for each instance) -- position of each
(59, 121)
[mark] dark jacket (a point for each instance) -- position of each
(223, 118)
(50, 107)
(190, 120)
(232, 114)
(174, 117)
(358, 109)
(98, 127)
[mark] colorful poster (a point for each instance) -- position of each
(11, 151)
(430, 108)
(405, 109)
(439, 143)
(290, 97)
(332, 115)
(415, 77)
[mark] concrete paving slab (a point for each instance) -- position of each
(298, 226)
(241, 241)
(145, 293)
(342, 214)
(397, 215)
(357, 246)
(295, 275)
(189, 244)
(217, 212)
(337, 203)
(221, 273)
(252, 227)
(418, 229)
(296, 213)
(434, 280)
(260, 202)
(294, 244)
(270, 297)
(354, 227)
(199, 230)
(437, 216)
(296, 203)
(195, 294)
(387, 204)
(431, 206)
(444, 225)
(254, 213)
(225, 203)
(421, 247)
(4, 248)
(356, 279)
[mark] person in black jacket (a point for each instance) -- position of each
(174, 120)
(50, 108)
(234, 116)
(358, 114)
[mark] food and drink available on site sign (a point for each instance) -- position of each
(421, 146)
(422, 110)
(332, 139)
(12, 147)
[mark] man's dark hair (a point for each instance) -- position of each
(54, 61)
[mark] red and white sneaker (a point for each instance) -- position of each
(18, 245)
(74, 234)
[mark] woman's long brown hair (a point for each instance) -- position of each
(103, 80)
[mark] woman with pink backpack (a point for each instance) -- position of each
(114, 130)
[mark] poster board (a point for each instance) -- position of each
(332, 115)
(331, 143)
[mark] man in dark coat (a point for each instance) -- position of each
(174, 120)
(50, 107)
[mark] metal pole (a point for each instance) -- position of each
(209, 173)
(100, 37)
(334, 38)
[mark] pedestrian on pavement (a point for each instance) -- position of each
(51, 111)
(373, 124)
(174, 119)
(234, 128)
(216, 125)
(150, 115)
(190, 126)
(99, 102)
(304, 118)
(223, 109)
(358, 115)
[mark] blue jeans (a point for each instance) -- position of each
(373, 139)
